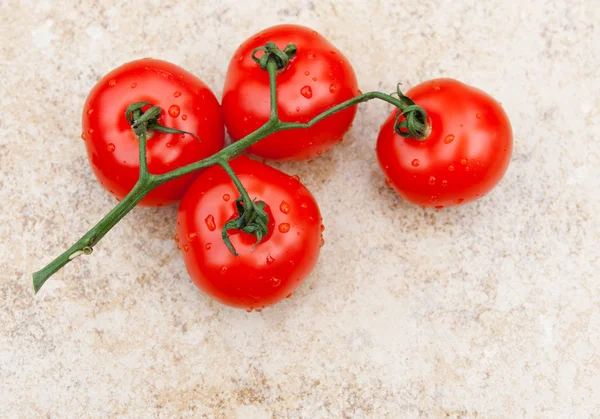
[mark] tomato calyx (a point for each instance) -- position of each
(143, 118)
(272, 52)
(414, 125)
(251, 219)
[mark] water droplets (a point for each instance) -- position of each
(176, 238)
(168, 145)
(319, 152)
(322, 242)
(444, 182)
(310, 55)
(314, 79)
(90, 111)
(191, 236)
(451, 168)
(90, 131)
(210, 222)
(307, 73)
(186, 248)
(83, 136)
(177, 93)
(226, 197)
(433, 198)
(432, 180)
(296, 178)
(110, 147)
(270, 259)
(467, 169)
(332, 88)
(463, 161)
(449, 138)
(208, 246)
(459, 201)
(436, 87)
(112, 83)
(415, 163)
(240, 58)
(275, 282)
(284, 227)
(297, 108)
(223, 270)
(322, 228)
(174, 111)
(284, 207)
(306, 91)
(133, 85)
(304, 205)
(184, 117)
(478, 116)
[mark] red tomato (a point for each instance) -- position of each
(257, 277)
(463, 158)
(316, 79)
(187, 104)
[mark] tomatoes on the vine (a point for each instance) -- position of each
(317, 78)
(263, 273)
(464, 156)
(112, 147)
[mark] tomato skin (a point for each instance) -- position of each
(111, 145)
(301, 96)
(257, 277)
(463, 158)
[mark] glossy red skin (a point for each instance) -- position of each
(278, 264)
(452, 173)
(104, 123)
(246, 103)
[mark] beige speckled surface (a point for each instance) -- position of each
(487, 310)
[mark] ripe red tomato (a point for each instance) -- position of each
(187, 104)
(257, 277)
(463, 158)
(316, 79)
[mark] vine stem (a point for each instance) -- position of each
(148, 181)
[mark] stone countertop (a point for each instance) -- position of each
(487, 310)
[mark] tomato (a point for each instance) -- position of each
(259, 276)
(112, 147)
(317, 78)
(463, 158)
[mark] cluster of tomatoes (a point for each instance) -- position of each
(465, 154)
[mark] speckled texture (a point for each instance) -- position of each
(488, 310)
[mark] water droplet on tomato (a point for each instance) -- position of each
(288, 296)
(314, 79)
(240, 58)
(341, 61)
(433, 198)
(275, 282)
(304, 205)
(284, 227)
(249, 310)
(177, 93)
(415, 162)
(192, 236)
(90, 111)
(186, 247)
(478, 116)
(176, 238)
(112, 83)
(180, 76)
(319, 152)
(306, 91)
(322, 242)
(332, 88)
(297, 108)
(270, 259)
(307, 73)
(208, 246)
(449, 138)
(467, 169)
(451, 168)
(432, 180)
(310, 55)
(296, 177)
(439, 207)
(223, 270)
(210, 222)
(322, 228)
(83, 136)
(184, 117)
(133, 85)
(174, 111)
(359, 92)
(444, 182)
(111, 147)
(168, 145)
(463, 161)
(459, 201)
(226, 197)
(436, 87)
(90, 131)
(284, 207)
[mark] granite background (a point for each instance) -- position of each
(488, 310)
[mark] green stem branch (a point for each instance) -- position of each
(252, 218)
